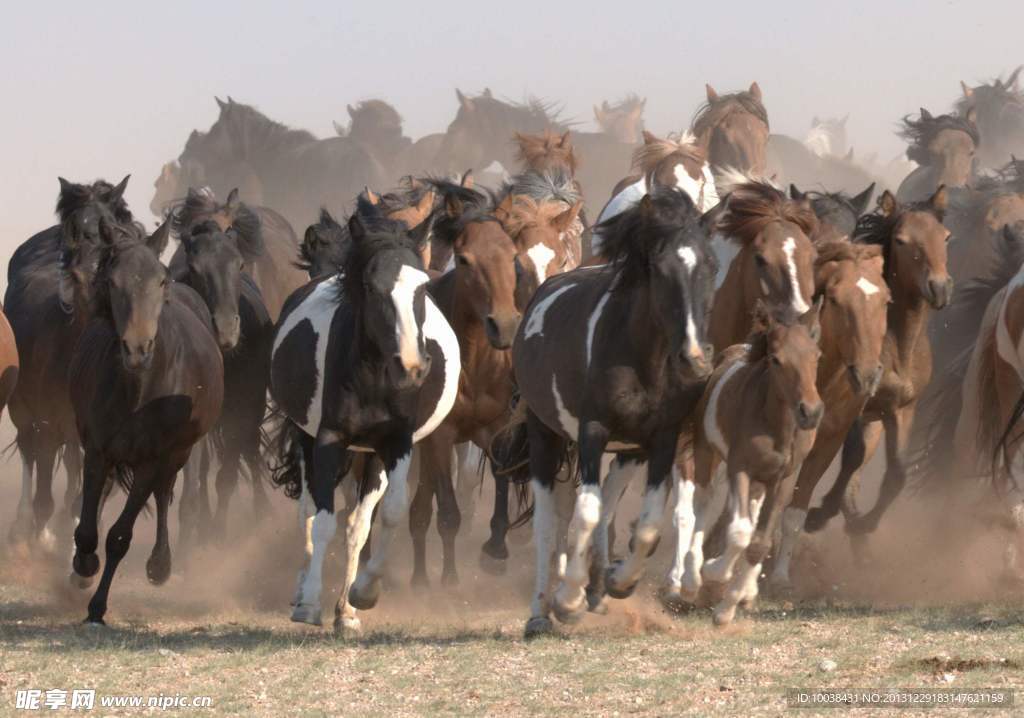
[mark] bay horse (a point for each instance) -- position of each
(146, 382)
(478, 298)
(944, 146)
(364, 361)
(611, 357)
(837, 212)
(267, 241)
(215, 263)
(732, 130)
(775, 263)
(849, 277)
(39, 304)
(670, 162)
(976, 406)
(999, 109)
(913, 240)
(758, 419)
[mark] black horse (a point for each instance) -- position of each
(146, 383)
(324, 247)
(364, 361)
(267, 241)
(837, 212)
(215, 263)
(39, 306)
(613, 358)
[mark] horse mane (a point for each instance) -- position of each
(649, 155)
(1008, 178)
(550, 186)
(382, 235)
(664, 220)
(627, 104)
(920, 133)
(547, 144)
(995, 91)
(528, 212)
(75, 197)
(877, 228)
(201, 205)
(477, 206)
(327, 231)
(251, 129)
(369, 113)
(403, 197)
(710, 113)
(535, 114)
(845, 252)
(754, 204)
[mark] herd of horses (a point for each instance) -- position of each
(710, 333)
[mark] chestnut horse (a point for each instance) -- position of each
(758, 418)
(913, 241)
(853, 325)
(775, 263)
(732, 130)
(8, 361)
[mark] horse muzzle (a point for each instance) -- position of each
(808, 416)
(865, 382)
(135, 356)
(228, 332)
(409, 376)
(939, 291)
(501, 330)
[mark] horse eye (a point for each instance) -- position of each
(775, 360)
(760, 260)
(462, 260)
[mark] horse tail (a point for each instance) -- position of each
(288, 467)
(1001, 479)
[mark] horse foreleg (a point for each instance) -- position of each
(85, 562)
(371, 487)
(621, 472)
(188, 509)
(21, 529)
(158, 567)
(467, 468)
(740, 529)
(897, 434)
(42, 504)
(226, 483)
(858, 447)
(449, 516)
(494, 551)
(421, 508)
(73, 489)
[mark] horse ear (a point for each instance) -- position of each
(811, 319)
(972, 116)
(1014, 77)
(412, 182)
(504, 209)
(795, 193)
(860, 202)
(925, 114)
(712, 95)
(755, 91)
(939, 200)
(118, 192)
(968, 92)
(467, 180)
(465, 102)
(762, 317)
(887, 204)
(646, 205)
(563, 221)
(564, 141)
(65, 186)
(453, 206)
(649, 137)
(426, 201)
(849, 155)
(159, 239)
(356, 228)
(339, 128)
(420, 234)
(351, 111)
(220, 103)
(233, 200)
(487, 92)
(371, 196)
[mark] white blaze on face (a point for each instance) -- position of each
(799, 304)
(689, 258)
(867, 287)
(541, 255)
(688, 184)
(402, 294)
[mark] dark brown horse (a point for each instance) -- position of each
(146, 383)
(8, 361)
(999, 109)
(377, 126)
(944, 146)
(913, 241)
(269, 243)
(40, 308)
(732, 130)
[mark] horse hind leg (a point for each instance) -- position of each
(897, 433)
(226, 484)
(158, 566)
(449, 520)
(24, 520)
(620, 474)
(371, 488)
(42, 503)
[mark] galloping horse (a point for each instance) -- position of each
(758, 417)
(913, 241)
(732, 130)
(611, 357)
(944, 147)
(999, 109)
(146, 383)
(364, 361)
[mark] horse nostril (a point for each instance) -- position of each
(491, 326)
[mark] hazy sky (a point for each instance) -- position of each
(104, 89)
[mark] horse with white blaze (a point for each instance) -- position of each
(612, 357)
(362, 361)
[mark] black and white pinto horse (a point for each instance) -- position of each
(612, 357)
(362, 361)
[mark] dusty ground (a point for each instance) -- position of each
(925, 614)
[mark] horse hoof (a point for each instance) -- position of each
(713, 591)
(307, 613)
(497, 551)
(860, 526)
(158, 569)
(569, 612)
(362, 598)
(95, 622)
(614, 588)
(538, 626)
(420, 581)
(79, 582)
(816, 520)
(450, 579)
(748, 603)
(723, 616)
(673, 600)
(86, 565)
(347, 627)
(596, 603)
(493, 566)
(779, 588)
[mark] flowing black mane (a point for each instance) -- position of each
(251, 131)
(412, 193)
(996, 92)
(380, 235)
(920, 133)
(326, 240)
(201, 205)
(711, 113)
(663, 221)
(75, 197)
(477, 206)
(877, 228)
